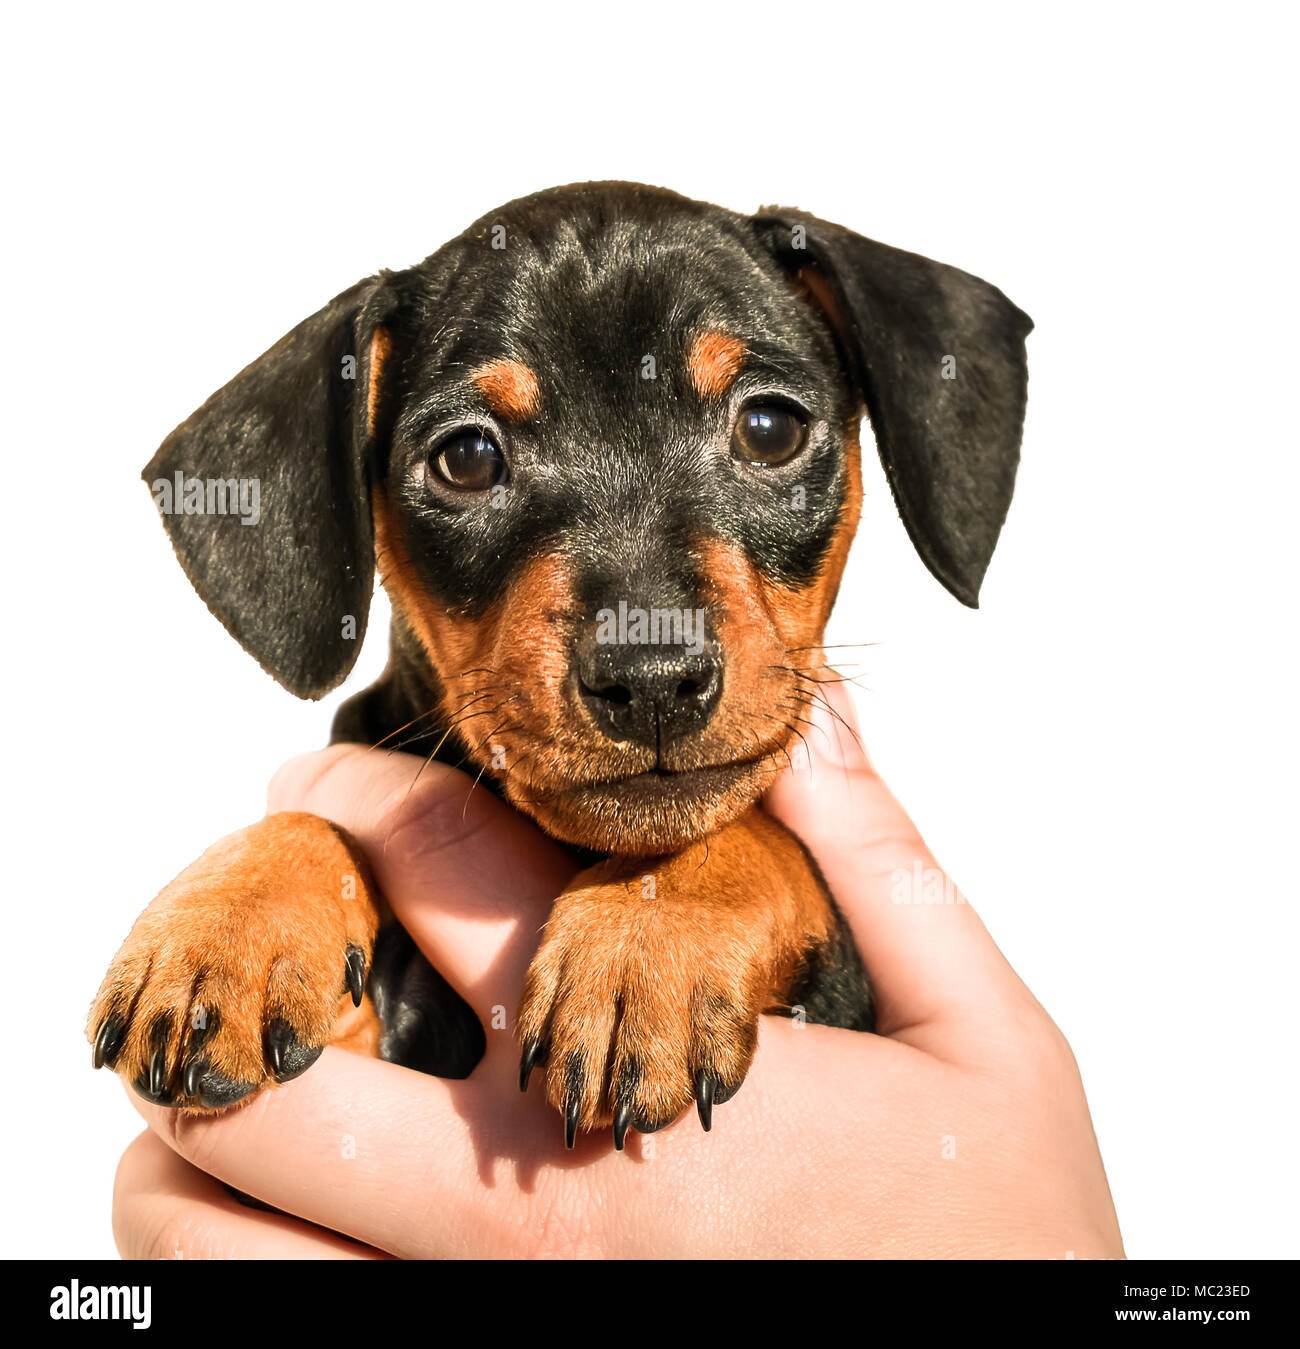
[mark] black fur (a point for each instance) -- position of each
(948, 433)
(286, 587)
(426, 1024)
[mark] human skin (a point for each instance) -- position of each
(959, 1130)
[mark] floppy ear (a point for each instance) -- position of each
(264, 493)
(939, 358)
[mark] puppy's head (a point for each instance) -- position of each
(603, 451)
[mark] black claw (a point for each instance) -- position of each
(704, 1084)
(279, 1040)
(158, 1072)
(356, 973)
(190, 1078)
(108, 1042)
(286, 1053)
(573, 1085)
(532, 1053)
(622, 1118)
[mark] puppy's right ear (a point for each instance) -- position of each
(265, 494)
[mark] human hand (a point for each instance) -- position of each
(961, 1129)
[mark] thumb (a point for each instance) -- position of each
(924, 946)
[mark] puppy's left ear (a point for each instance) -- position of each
(939, 358)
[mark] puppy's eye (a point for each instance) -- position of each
(469, 462)
(768, 434)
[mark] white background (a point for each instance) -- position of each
(1103, 756)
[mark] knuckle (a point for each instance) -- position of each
(296, 783)
(424, 820)
(1050, 1050)
(1040, 1051)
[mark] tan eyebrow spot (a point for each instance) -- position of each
(714, 362)
(510, 388)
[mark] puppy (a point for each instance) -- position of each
(603, 451)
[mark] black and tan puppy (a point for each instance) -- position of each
(603, 451)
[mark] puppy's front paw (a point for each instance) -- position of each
(636, 1008)
(237, 975)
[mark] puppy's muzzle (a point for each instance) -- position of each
(649, 694)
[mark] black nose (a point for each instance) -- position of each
(648, 693)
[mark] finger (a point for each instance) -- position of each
(469, 878)
(924, 946)
(424, 1167)
(166, 1209)
(413, 1165)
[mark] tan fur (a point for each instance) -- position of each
(511, 389)
(814, 288)
(381, 346)
(770, 636)
(506, 678)
(503, 670)
(664, 968)
(257, 928)
(800, 614)
(714, 362)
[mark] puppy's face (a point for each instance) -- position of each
(620, 489)
(602, 450)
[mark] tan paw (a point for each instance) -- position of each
(637, 1008)
(243, 968)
